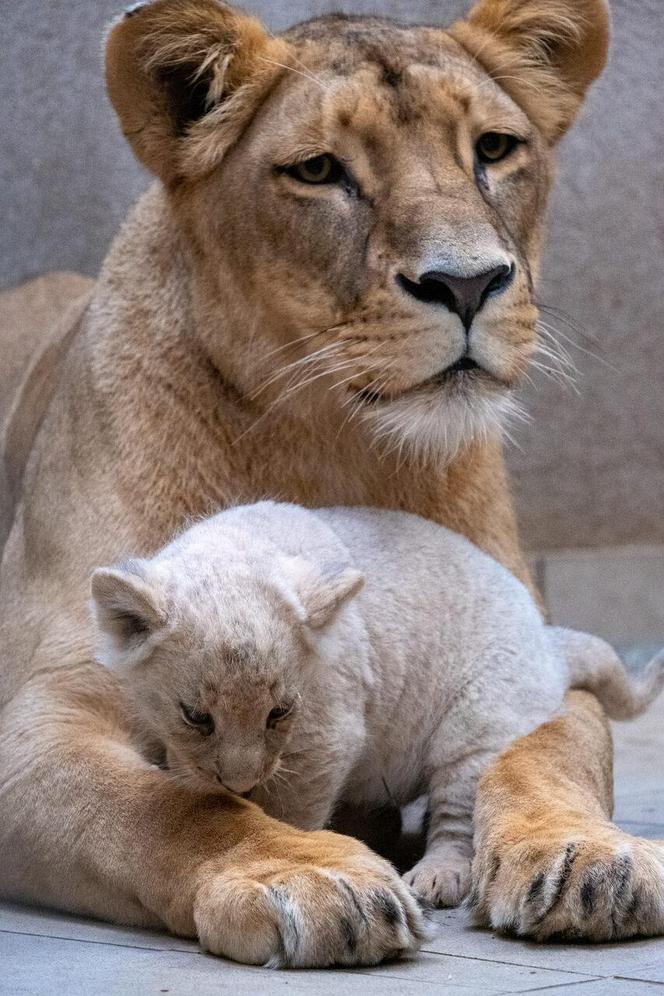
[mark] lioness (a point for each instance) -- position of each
(326, 298)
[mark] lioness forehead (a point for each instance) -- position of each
(345, 43)
(370, 68)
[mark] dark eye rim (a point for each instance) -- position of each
(201, 721)
(335, 176)
(513, 141)
(278, 714)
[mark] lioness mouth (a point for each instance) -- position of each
(464, 365)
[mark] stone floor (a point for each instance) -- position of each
(47, 954)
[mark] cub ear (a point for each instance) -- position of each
(127, 612)
(173, 63)
(320, 592)
(544, 53)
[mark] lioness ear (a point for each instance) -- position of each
(544, 53)
(320, 592)
(127, 611)
(173, 63)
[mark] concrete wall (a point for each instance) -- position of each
(591, 468)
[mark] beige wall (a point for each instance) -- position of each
(591, 467)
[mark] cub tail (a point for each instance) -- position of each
(595, 666)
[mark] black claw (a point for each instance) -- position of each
(588, 895)
(354, 899)
(350, 936)
(536, 887)
(427, 907)
(622, 876)
(634, 907)
(389, 908)
(495, 868)
(571, 854)
(473, 899)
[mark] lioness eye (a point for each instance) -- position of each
(277, 714)
(202, 721)
(319, 170)
(494, 146)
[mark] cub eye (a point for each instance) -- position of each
(494, 146)
(202, 721)
(317, 171)
(277, 714)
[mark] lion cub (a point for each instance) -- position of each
(309, 657)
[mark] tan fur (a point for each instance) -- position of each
(166, 408)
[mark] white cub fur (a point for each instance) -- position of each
(312, 657)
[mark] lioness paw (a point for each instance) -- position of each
(443, 881)
(354, 912)
(601, 887)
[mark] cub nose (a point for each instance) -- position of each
(463, 296)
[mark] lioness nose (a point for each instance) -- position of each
(463, 296)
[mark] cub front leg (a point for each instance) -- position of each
(442, 876)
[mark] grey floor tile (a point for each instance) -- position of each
(456, 938)
(639, 771)
(649, 971)
(47, 966)
(483, 975)
(604, 987)
(47, 923)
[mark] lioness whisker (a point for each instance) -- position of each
(549, 334)
(560, 360)
(567, 320)
(356, 399)
(337, 345)
(281, 398)
(311, 358)
(294, 342)
(325, 372)
(298, 72)
(555, 375)
(554, 332)
(297, 59)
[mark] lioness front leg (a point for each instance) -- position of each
(91, 827)
(548, 860)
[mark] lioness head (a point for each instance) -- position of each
(364, 199)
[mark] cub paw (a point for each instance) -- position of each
(347, 908)
(443, 881)
(600, 886)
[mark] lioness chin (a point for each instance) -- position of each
(335, 269)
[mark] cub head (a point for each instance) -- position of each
(363, 200)
(216, 658)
